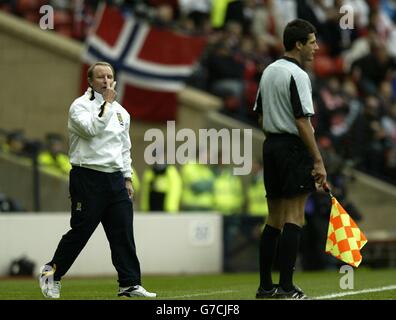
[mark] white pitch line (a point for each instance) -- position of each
(351, 293)
(201, 294)
(329, 296)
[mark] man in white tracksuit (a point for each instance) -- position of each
(100, 185)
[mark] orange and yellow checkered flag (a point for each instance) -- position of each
(344, 238)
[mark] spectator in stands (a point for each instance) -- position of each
(360, 10)
(197, 11)
(15, 144)
(161, 189)
(164, 17)
(372, 69)
(60, 4)
(388, 7)
(287, 11)
(228, 191)
(268, 22)
(334, 163)
(325, 16)
(330, 103)
(197, 180)
(226, 10)
(382, 24)
(386, 95)
(248, 56)
(225, 76)
(53, 156)
(360, 47)
(263, 56)
(338, 108)
(388, 122)
(83, 17)
(354, 106)
(173, 4)
(370, 142)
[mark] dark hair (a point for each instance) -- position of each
(297, 30)
(99, 63)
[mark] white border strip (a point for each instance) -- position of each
(351, 293)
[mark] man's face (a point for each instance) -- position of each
(307, 51)
(102, 77)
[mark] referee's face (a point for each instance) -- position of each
(308, 50)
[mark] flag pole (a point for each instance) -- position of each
(326, 188)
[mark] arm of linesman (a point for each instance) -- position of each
(88, 124)
(307, 135)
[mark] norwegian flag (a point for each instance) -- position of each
(151, 64)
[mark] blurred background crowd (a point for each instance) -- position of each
(353, 76)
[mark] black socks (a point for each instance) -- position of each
(268, 245)
(288, 249)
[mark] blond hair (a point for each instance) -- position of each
(99, 63)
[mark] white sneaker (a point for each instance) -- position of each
(49, 287)
(135, 291)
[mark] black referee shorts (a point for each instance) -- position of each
(287, 166)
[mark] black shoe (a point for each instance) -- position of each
(296, 294)
(267, 294)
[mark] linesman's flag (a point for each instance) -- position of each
(344, 238)
(151, 64)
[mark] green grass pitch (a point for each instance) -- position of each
(368, 284)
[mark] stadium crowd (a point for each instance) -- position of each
(353, 76)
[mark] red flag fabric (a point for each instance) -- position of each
(151, 64)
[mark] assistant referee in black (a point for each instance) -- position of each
(293, 166)
(100, 185)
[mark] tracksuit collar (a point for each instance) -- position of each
(93, 95)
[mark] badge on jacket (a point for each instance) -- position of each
(120, 119)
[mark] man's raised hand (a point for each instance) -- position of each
(109, 94)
